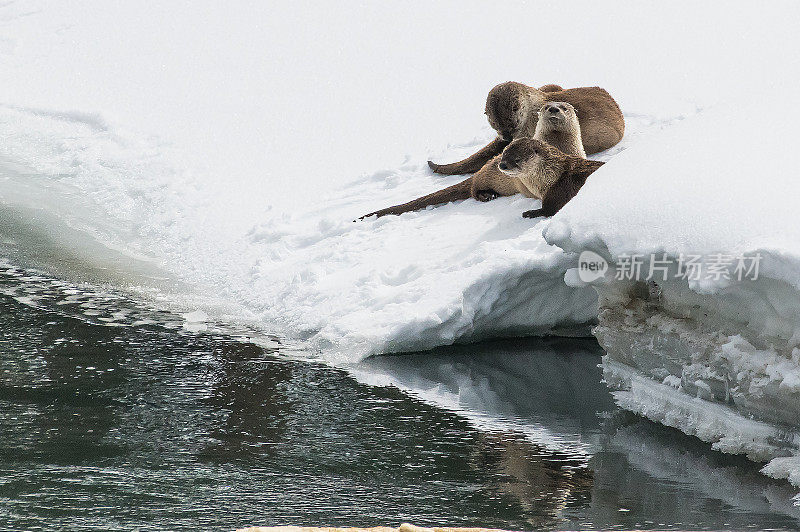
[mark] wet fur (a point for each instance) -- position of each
(542, 171)
(551, 87)
(485, 185)
(565, 134)
(489, 182)
(512, 110)
(548, 172)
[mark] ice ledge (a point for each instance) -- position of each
(687, 369)
(726, 429)
(700, 360)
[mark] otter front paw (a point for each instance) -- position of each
(535, 213)
(433, 166)
(486, 195)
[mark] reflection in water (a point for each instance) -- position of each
(255, 403)
(544, 483)
(537, 406)
(115, 422)
(549, 388)
(567, 452)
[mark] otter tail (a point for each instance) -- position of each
(456, 192)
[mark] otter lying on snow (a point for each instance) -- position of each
(532, 168)
(522, 169)
(547, 172)
(512, 110)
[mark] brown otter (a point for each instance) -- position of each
(558, 125)
(547, 172)
(512, 110)
(485, 185)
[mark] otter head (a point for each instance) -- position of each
(557, 116)
(507, 108)
(527, 155)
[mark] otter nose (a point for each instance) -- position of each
(502, 166)
(554, 110)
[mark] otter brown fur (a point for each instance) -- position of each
(486, 184)
(558, 126)
(512, 110)
(547, 172)
(551, 87)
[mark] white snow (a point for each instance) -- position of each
(224, 143)
(703, 187)
(128, 132)
(455, 273)
(229, 145)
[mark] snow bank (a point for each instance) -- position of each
(459, 272)
(345, 290)
(721, 344)
(208, 139)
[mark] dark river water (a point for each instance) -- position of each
(115, 418)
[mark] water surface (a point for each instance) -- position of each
(113, 417)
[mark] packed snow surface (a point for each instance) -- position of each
(705, 185)
(699, 189)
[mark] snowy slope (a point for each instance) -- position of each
(224, 143)
(459, 272)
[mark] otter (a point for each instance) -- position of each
(557, 125)
(512, 110)
(547, 172)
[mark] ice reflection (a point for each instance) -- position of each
(564, 447)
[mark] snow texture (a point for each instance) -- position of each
(222, 144)
(725, 349)
(228, 147)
